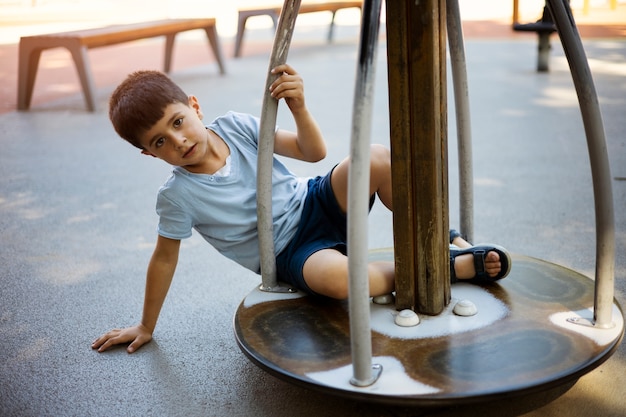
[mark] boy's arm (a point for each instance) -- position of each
(308, 143)
(158, 279)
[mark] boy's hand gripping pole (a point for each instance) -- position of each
(282, 40)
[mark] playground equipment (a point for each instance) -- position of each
(541, 328)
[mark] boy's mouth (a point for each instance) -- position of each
(189, 152)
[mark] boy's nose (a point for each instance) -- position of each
(179, 140)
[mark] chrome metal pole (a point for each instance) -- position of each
(358, 196)
(599, 160)
(282, 41)
(463, 123)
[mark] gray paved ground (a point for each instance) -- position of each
(77, 227)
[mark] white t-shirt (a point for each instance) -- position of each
(222, 208)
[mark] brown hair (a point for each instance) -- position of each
(139, 102)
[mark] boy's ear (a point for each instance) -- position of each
(194, 104)
(144, 152)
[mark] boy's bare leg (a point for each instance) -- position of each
(326, 273)
(380, 178)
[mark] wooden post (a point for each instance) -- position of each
(416, 48)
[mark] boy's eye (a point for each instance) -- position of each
(159, 142)
(178, 122)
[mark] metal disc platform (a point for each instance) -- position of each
(529, 335)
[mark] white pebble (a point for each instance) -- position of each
(407, 318)
(465, 308)
(383, 299)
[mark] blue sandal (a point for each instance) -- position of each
(480, 252)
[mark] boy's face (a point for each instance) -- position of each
(179, 137)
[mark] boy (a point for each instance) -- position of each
(213, 189)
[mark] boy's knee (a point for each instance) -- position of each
(379, 151)
(380, 156)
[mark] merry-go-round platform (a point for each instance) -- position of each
(542, 327)
(529, 334)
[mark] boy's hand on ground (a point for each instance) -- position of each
(137, 336)
(288, 86)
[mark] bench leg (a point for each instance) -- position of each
(543, 52)
(331, 28)
(81, 60)
(274, 17)
(241, 27)
(27, 72)
(169, 50)
(211, 33)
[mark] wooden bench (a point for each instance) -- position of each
(274, 13)
(78, 42)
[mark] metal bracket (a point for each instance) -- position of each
(590, 323)
(278, 289)
(377, 370)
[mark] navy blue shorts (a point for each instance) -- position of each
(323, 225)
